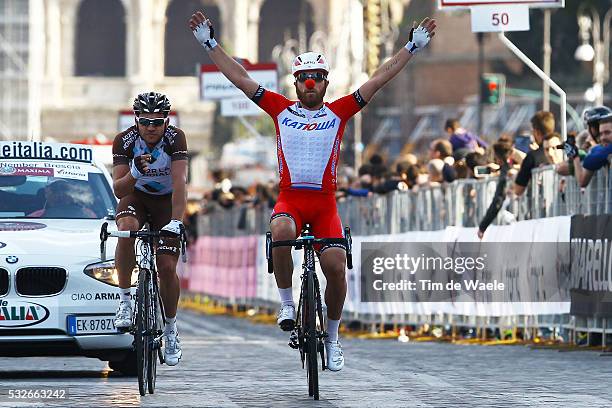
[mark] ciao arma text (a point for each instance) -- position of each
(97, 296)
(412, 264)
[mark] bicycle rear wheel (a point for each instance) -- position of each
(153, 328)
(140, 332)
(312, 351)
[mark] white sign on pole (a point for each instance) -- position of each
(500, 18)
(455, 4)
(215, 86)
(239, 106)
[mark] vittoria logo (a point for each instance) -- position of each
(21, 314)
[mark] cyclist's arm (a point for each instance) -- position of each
(387, 71)
(384, 74)
(179, 190)
(123, 182)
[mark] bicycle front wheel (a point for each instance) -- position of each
(312, 351)
(141, 337)
(154, 322)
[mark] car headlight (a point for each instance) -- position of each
(107, 273)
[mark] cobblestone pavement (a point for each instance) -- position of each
(230, 362)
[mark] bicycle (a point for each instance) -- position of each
(148, 318)
(308, 335)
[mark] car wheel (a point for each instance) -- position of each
(127, 366)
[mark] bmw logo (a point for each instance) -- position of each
(12, 259)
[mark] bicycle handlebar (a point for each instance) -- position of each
(105, 234)
(346, 243)
(309, 240)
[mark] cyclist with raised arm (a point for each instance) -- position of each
(149, 178)
(309, 133)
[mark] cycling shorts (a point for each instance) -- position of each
(315, 208)
(157, 209)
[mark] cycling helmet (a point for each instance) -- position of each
(151, 102)
(309, 61)
(592, 116)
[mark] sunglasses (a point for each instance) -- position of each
(156, 122)
(316, 76)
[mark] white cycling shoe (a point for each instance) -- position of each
(286, 317)
(172, 348)
(335, 357)
(123, 317)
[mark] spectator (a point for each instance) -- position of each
(461, 169)
(435, 167)
(503, 153)
(443, 150)
(398, 180)
(542, 125)
(598, 156)
(463, 142)
(472, 160)
(554, 154)
(592, 119)
(517, 156)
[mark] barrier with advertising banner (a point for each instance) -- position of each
(591, 263)
(530, 259)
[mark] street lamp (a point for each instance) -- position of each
(599, 54)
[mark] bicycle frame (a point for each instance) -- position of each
(149, 313)
(306, 337)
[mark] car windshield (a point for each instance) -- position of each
(33, 196)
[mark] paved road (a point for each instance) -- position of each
(231, 362)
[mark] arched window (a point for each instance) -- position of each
(100, 39)
(280, 20)
(183, 52)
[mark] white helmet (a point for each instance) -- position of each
(309, 61)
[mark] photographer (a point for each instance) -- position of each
(599, 122)
(503, 152)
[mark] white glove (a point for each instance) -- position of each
(205, 34)
(419, 38)
(173, 229)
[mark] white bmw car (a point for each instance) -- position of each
(57, 296)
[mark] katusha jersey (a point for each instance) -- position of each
(158, 179)
(308, 142)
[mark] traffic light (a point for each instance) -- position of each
(492, 89)
(373, 31)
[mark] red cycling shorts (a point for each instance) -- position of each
(310, 207)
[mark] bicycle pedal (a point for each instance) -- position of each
(293, 340)
(124, 329)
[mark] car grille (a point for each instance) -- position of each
(4, 282)
(40, 281)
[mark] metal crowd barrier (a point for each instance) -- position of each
(462, 203)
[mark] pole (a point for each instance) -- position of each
(480, 39)
(544, 77)
(547, 54)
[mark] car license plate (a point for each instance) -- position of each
(79, 325)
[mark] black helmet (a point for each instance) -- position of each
(151, 102)
(592, 116)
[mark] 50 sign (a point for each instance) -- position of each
(498, 18)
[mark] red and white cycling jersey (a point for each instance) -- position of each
(308, 142)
